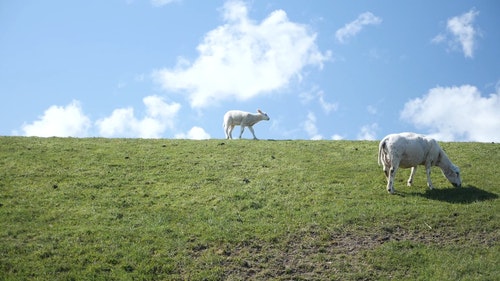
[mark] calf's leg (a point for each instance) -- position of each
(386, 172)
(412, 174)
(229, 131)
(390, 180)
(253, 133)
(429, 182)
(242, 130)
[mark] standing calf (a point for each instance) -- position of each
(407, 150)
(244, 119)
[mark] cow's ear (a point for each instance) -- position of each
(259, 111)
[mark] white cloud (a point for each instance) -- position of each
(243, 59)
(462, 32)
(337, 137)
(310, 127)
(307, 97)
(123, 123)
(461, 27)
(326, 106)
(368, 132)
(439, 39)
(60, 121)
(195, 133)
(456, 113)
(354, 27)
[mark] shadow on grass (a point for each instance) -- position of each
(460, 195)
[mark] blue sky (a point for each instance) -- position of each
(320, 69)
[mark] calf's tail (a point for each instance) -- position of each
(381, 149)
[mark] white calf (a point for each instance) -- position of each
(244, 119)
(407, 150)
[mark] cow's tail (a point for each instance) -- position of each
(381, 149)
(224, 121)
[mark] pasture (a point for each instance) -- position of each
(130, 209)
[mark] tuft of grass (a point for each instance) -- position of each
(127, 209)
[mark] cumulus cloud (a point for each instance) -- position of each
(242, 58)
(368, 132)
(460, 33)
(123, 123)
(310, 127)
(456, 114)
(354, 27)
(60, 121)
(337, 137)
(195, 133)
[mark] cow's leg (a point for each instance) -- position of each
(428, 172)
(412, 174)
(242, 130)
(230, 132)
(386, 172)
(390, 181)
(253, 133)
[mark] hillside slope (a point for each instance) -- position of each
(128, 209)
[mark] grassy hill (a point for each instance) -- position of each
(128, 209)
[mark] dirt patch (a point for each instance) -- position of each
(313, 254)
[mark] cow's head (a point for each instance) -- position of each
(263, 115)
(453, 175)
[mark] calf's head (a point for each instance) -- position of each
(453, 175)
(263, 115)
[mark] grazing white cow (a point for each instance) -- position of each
(407, 150)
(244, 119)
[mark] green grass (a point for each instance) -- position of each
(127, 209)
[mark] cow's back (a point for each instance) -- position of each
(234, 117)
(411, 149)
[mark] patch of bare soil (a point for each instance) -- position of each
(314, 255)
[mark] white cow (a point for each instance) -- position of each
(244, 119)
(407, 150)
